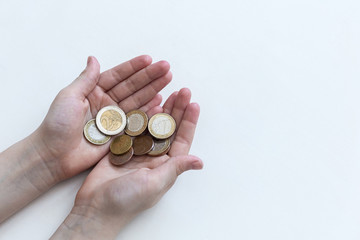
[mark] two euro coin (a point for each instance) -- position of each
(111, 120)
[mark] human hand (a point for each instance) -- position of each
(131, 85)
(111, 196)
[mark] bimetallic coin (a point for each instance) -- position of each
(121, 159)
(160, 147)
(121, 144)
(93, 135)
(161, 126)
(137, 122)
(111, 120)
(143, 144)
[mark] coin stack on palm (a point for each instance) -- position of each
(111, 120)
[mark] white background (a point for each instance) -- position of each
(278, 83)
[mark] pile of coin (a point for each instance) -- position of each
(138, 134)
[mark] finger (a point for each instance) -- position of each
(144, 95)
(186, 131)
(113, 76)
(164, 176)
(180, 104)
(156, 101)
(154, 110)
(139, 80)
(169, 104)
(86, 82)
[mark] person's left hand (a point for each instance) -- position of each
(131, 85)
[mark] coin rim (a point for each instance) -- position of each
(162, 136)
(92, 140)
(131, 144)
(159, 153)
(102, 129)
(142, 129)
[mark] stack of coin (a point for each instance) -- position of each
(121, 149)
(111, 120)
(161, 126)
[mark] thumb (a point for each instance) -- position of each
(87, 80)
(167, 173)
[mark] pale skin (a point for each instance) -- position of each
(110, 196)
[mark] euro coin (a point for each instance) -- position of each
(161, 126)
(93, 135)
(121, 144)
(160, 147)
(137, 122)
(111, 120)
(143, 144)
(121, 159)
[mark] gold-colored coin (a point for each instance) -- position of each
(137, 122)
(143, 144)
(111, 120)
(93, 135)
(121, 159)
(161, 147)
(121, 144)
(161, 126)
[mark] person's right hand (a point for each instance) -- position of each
(131, 85)
(111, 196)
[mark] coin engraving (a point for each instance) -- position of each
(161, 125)
(111, 120)
(136, 122)
(93, 135)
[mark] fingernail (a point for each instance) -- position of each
(88, 60)
(197, 165)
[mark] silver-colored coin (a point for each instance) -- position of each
(161, 126)
(93, 135)
(161, 147)
(137, 121)
(111, 120)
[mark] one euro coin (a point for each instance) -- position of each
(93, 135)
(161, 126)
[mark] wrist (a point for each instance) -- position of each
(24, 175)
(85, 222)
(48, 160)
